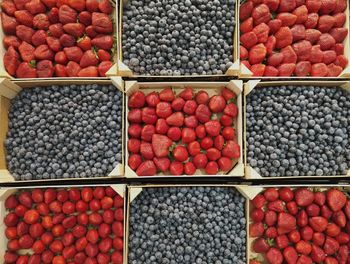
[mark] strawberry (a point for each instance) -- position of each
(178, 104)
(292, 207)
(88, 59)
(248, 40)
(202, 97)
(326, 212)
(302, 13)
(175, 119)
(191, 121)
(134, 145)
(257, 215)
(8, 7)
(245, 10)
(203, 113)
(41, 21)
(27, 51)
(11, 41)
(303, 247)
(161, 126)
(49, 3)
(102, 23)
(258, 69)
(312, 21)
(302, 50)
(318, 223)
(74, 29)
(294, 236)
(146, 150)
(290, 254)
(298, 32)
(188, 135)
(287, 19)
(341, 61)
(187, 94)
(272, 4)
(73, 53)
(194, 148)
(231, 150)
(190, 107)
(60, 70)
(149, 115)
(316, 54)
(339, 20)
(270, 45)
(67, 15)
(24, 18)
(180, 153)
(313, 210)
(261, 14)
(92, 5)
(289, 55)
(147, 133)
(212, 168)
(45, 69)
(313, 6)
(284, 37)
(339, 34)
(246, 26)
(257, 54)
(271, 194)
(174, 133)
(312, 35)
(61, 58)
(332, 230)
(137, 100)
(347, 210)
(54, 44)
(319, 70)
(275, 59)
(226, 120)
(146, 168)
(282, 241)
(105, 6)
(286, 69)
(160, 145)
(331, 246)
(325, 23)
(273, 255)
(35, 7)
(286, 194)
(343, 238)
(25, 70)
(326, 41)
(340, 6)
(260, 245)
(167, 95)
(271, 71)
(262, 32)
(213, 128)
(213, 154)
(259, 201)
(285, 223)
(53, 15)
(176, 168)
(85, 18)
(256, 229)
(276, 206)
(328, 6)
(200, 161)
(306, 233)
(274, 25)
(134, 161)
(228, 94)
(304, 260)
(24, 33)
(271, 232)
(336, 199)
(317, 254)
(303, 197)
(56, 30)
(162, 163)
(303, 68)
(134, 130)
(78, 5)
(339, 218)
(320, 198)
(329, 56)
(302, 218)
(90, 32)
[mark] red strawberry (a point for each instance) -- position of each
(187, 94)
(24, 33)
(302, 13)
(341, 61)
(317, 254)
(176, 168)
(303, 247)
(27, 51)
(189, 107)
(260, 245)
(53, 15)
(284, 37)
(67, 14)
(85, 18)
(35, 7)
(271, 71)
(134, 145)
(287, 19)
(49, 3)
(290, 255)
(316, 54)
(304, 197)
(292, 207)
(60, 70)
(271, 232)
(160, 145)
(275, 59)
(162, 163)
(294, 236)
(326, 212)
(312, 21)
(8, 7)
(257, 54)
(56, 30)
(319, 70)
(67, 40)
(261, 14)
(332, 230)
(339, 48)
(92, 5)
(200, 161)
(285, 223)
(289, 55)
(262, 32)
(246, 26)
(340, 6)
(271, 194)
(318, 223)
(304, 260)
(325, 23)
(174, 133)
(167, 95)
(329, 56)
(286, 194)
(343, 238)
(339, 34)
(88, 59)
(303, 68)
(41, 21)
(9, 24)
(312, 35)
(343, 254)
(274, 255)
(272, 4)
(137, 100)
(25, 70)
(206, 143)
(203, 113)
(302, 218)
(326, 41)
(147, 168)
(270, 45)
(61, 58)
(24, 18)
(39, 38)
(302, 50)
(54, 44)
(331, 246)
(257, 215)
(276, 206)
(248, 40)
(213, 128)
(176, 119)
(212, 168)
(282, 241)
(146, 150)
(11, 41)
(105, 6)
(102, 23)
(75, 29)
(339, 20)
(147, 132)
(202, 97)
(103, 42)
(320, 198)
(256, 229)
(328, 6)
(134, 161)
(231, 150)
(313, 6)
(188, 135)
(78, 5)
(313, 210)
(245, 10)
(73, 53)
(259, 201)
(306, 233)
(274, 25)
(149, 115)
(336, 199)
(286, 69)
(45, 69)
(298, 32)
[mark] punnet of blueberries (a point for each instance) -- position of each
(187, 37)
(188, 225)
(70, 131)
(298, 131)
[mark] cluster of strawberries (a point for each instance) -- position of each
(293, 37)
(62, 226)
(185, 124)
(301, 226)
(59, 38)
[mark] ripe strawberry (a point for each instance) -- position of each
(290, 254)
(271, 232)
(167, 95)
(303, 197)
(257, 54)
(146, 150)
(313, 5)
(191, 121)
(259, 201)
(67, 14)
(187, 94)
(231, 150)
(102, 54)
(163, 109)
(273, 255)
(289, 55)
(75, 29)
(137, 100)
(285, 223)
(67, 40)
(331, 246)
(339, 34)
(332, 230)
(318, 223)
(162, 163)
(147, 132)
(339, 48)
(61, 58)
(270, 45)
(286, 194)
(343, 238)
(175, 119)
(188, 135)
(134, 145)
(246, 26)
(274, 25)
(328, 6)
(202, 97)
(160, 145)
(41, 21)
(189, 168)
(203, 113)
(303, 247)
(298, 32)
(178, 104)
(302, 218)
(174, 133)
(248, 40)
(271, 194)
(257, 215)
(200, 161)
(262, 32)
(134, 161)
(8, 7)
(149, 115)
(24, 17)
(260, 245)
(245, 10)
(270, 218)
(313, 210)
(217, 104)
(24, 33)
(306, 233)
(326, 41)
(284, 37)
(294, 236)
(180, 153)
(11, 41)
(292, 207)
(102, 41)
(152, 99)
(261, 14)
(9, 24)
(176, 168)
(161, 126)
(340, 19)
(341, 61)
(287, 5)
(212, 168)
(134, 116)
(276, 206)
(275, 59)
(329, 56)
(312, 35)
(226, 120)
(256, 229)
(225, 164)
(288, 19)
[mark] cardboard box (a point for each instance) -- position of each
(133, 191)
(211, 88)
(244, 72)
(250, 173)
(111, 72)
(9, 90)
(125, 71)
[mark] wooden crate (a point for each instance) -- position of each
(244, 72)
(9, 90)
(124, 71)
(133, 191)
(211, 88)
(250, 173)
(111, 72)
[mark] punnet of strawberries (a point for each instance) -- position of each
(61, 38)
(59, 226)
(300, 226)
(186, 133)
(293, 37)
